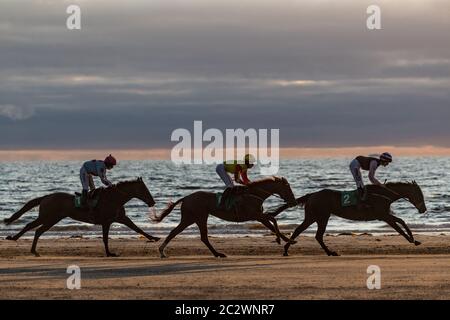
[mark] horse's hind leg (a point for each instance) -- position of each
(28, 227)
(321, 227)
(305, 224)
(183, 225)
(45, 227)
(37, 234)
(203, 226)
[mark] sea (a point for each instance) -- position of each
(23, 181)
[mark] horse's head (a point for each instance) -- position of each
(138, 189)
(416, 198)
(284, 191)
(413, 193)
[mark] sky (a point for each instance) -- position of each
(137, 70)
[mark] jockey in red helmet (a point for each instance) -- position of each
(95, 168)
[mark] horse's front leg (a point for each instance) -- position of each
(106, 228)
(403, 223)
(130, 224)
(275, 224)
(270, 219)
(390, 220)
(271, 228)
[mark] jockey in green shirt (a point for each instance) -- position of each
(239, 170)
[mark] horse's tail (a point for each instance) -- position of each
(165, 213)
(302, 200)
(27, 207)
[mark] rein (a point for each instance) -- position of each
(397, 194)
(267, 192)
(381, 196)
(255, 196)
(116, 188)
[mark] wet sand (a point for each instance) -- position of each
(254, 269)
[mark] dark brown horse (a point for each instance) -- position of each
(320, 205)
(197, 206)
(57, 206)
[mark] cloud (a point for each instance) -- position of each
(307, 67)
(14, 112)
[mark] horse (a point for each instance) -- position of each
(320, 205)
(196, 207)
(57, 206)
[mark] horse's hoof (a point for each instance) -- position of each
(285, 254)
(162, 254)
(112, 255)
(220, 255)
(9, 238)
(417, 243)
(37, 255)
(333, 254)
(154, 239)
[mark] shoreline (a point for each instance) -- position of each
(345, 244)
(96, 234)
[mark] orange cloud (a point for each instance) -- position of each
(164, 154)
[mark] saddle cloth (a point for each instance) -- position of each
(94, 197)
(227, 204)
(349, 198)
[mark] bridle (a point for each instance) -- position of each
(266, 192)
(116, 188)
(405, 198)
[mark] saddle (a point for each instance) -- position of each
(93, 199)
(229, 199)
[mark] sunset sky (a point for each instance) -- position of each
(137, 70)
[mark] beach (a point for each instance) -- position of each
(254, 269)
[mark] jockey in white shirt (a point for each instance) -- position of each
(370, 164)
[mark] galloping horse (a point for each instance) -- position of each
(57, 206)
(197, 206)
(320, 205)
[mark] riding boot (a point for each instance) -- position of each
(362, 199)
(84, 199)
(86, 204)
(225, 196)
(364, 195)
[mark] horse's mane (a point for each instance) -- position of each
(126, 182)
(400, 183)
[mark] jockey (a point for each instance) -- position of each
(95, 168)
(239, 170)
(370, 164)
